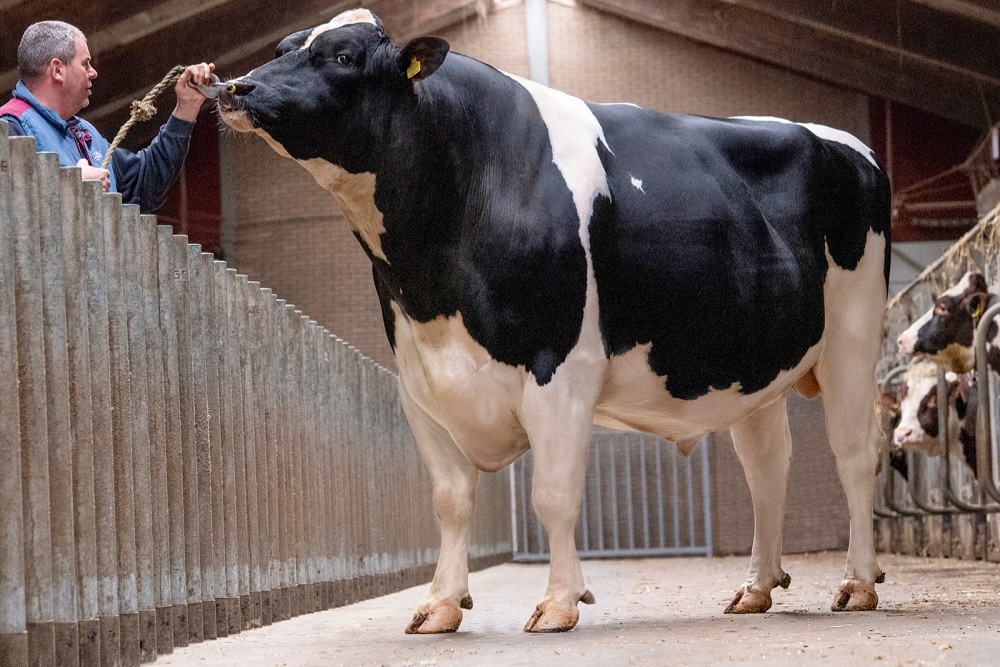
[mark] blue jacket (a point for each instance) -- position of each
(143, 178)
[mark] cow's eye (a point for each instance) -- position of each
(345, 60)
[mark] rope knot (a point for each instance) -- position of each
(142, 110)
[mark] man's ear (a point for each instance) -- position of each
(57, 69)
(421, 57)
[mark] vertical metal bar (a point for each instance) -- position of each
(600, 502)
(661, 519)
(630, 511)
(614, 494)
(515, 547)
(706, 497)
(33, 402)
(690, 496)
(13, 612)
(121, 430)
(584, 514)
(676, 495)
(644, 491)
(135, 298)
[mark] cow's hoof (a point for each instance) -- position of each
(753, 600)
(439, 617)
(554, 616)
(749, 601)
(855, 595)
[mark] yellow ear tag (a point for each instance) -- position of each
(413, 69)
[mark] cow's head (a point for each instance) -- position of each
(945, 333)
(330, 91)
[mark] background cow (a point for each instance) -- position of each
(545, 264)
(918, 424)
(944, 333)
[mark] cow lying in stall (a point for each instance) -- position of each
(544, 264)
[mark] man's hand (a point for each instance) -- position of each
(89, 173)
(189, 99)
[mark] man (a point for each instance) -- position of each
(56, 77)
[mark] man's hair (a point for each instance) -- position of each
(42, 42)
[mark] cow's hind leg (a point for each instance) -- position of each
(854, 437)
(453, 481)
(764, 445)
(846, 375)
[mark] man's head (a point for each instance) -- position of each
(54, 63)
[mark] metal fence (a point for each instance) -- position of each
(940, 508)
(641, 498)
(183, 455)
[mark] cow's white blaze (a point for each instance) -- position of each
(637, 183)
(824, 132)
(339, 21)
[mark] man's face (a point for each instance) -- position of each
(78, 75)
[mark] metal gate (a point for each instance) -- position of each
(641, 498)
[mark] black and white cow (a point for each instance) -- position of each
(918, 425)
(545, 264)
(945, 333)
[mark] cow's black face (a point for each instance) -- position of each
(331, 91)
(950, 324)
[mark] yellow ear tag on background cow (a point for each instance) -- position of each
(413, 69)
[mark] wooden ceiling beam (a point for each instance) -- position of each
(821, 53)
(231, 50)
(917, 28)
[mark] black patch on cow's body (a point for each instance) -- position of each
(479, 221)
(719, 261)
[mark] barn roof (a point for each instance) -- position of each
(940, 56)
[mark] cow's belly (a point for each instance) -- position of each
(456, 382)
(479, 400)
(634, 398)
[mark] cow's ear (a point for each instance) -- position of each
(291, 43)
(977, 304)
(421, 57)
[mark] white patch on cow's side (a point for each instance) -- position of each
(823, 132)
(340, 20)
(637, 183)
(573, 133)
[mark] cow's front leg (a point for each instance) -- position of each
(764, 445)
(453, 482)
(560, 441)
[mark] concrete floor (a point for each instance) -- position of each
(656, 612)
